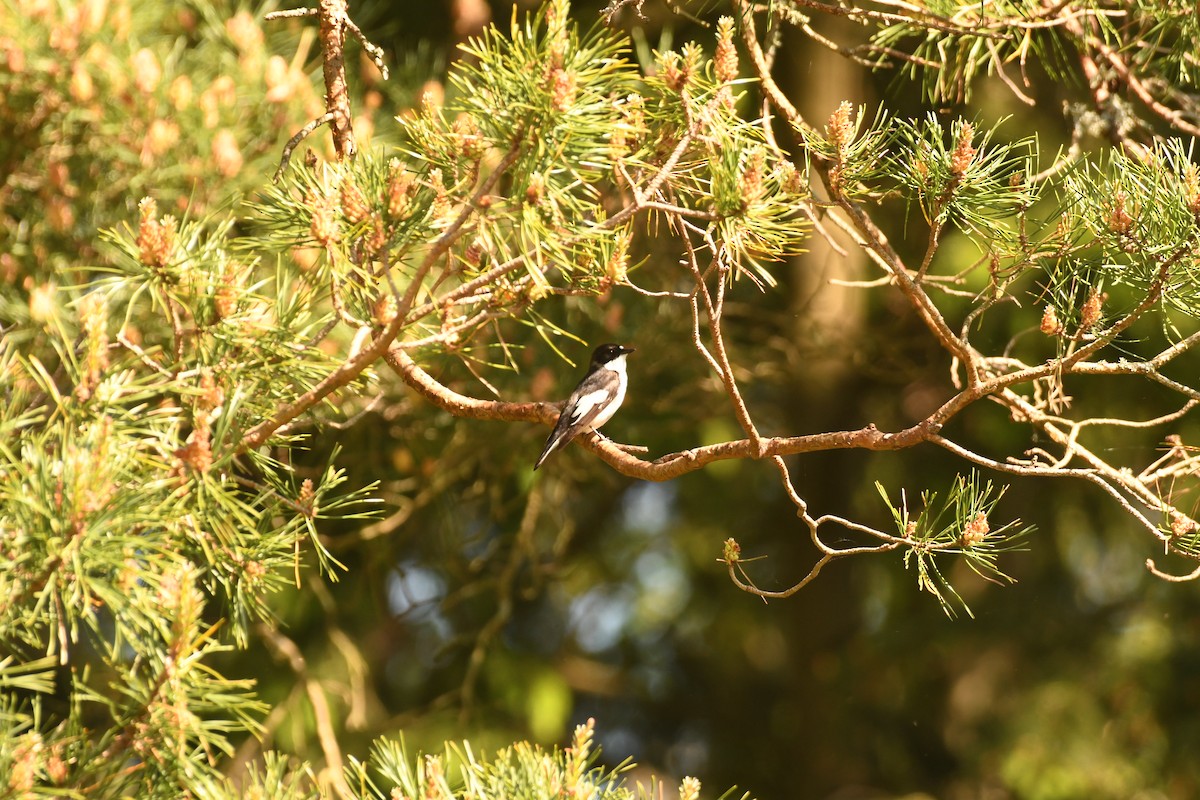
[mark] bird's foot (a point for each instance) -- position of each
(628, 448)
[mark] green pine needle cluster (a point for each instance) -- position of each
(962, 176)
(957, 524)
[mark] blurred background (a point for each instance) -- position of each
(494, 604)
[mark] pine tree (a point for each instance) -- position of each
(181, 335)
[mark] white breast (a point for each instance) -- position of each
(617, 365)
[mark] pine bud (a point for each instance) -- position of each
(177, 592)
(245, 33)
(473, 255)
(840, 128)
(433, 777)
(617, 268)
(581, 740)
(42, 307)
(975, 531)
(65, 39)
(221, 93)
(12, 55)
(1119, 221)
(23, 768)
(633, 112)
(57, 768)
(307, 499)
(626, 132)
(1050, 322)
(725, 59)
(226, 294)
(732, 551)
(751, 181)
(180, 93)
(255, 571)
(441, 198)
(399, 190)
(354, 202)
(1090, 314)
(1191, 188)
(81, 87)
(562, 88)
(789, 178)
(91, 15)
(466, 134)
(556, 31)
(156, 238)
(689, 789)
(618, 146)
(536, 189)
(160, 138)
(674, 71)
(197, 452)
(963, 153)
(93, 319)
(433, 96)
(211, 397)
(378, 238)
(1181, 524)
(280, 79)
(325, 229)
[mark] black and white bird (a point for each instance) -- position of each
(595, 399)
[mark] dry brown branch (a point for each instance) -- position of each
(333, 15)
(721, 358)
(666, 467)
(971, 20)
(1166, 576)
(745, 12)
(914, 15)
(746, 586)
(334, 20)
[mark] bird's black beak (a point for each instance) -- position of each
(626, 349)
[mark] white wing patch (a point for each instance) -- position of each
(587, 403)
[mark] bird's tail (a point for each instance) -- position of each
(552, 444)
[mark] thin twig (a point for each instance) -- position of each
(290, 12)
(295, 141)
(286, 650)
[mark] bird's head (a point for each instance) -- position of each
(609, 352)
